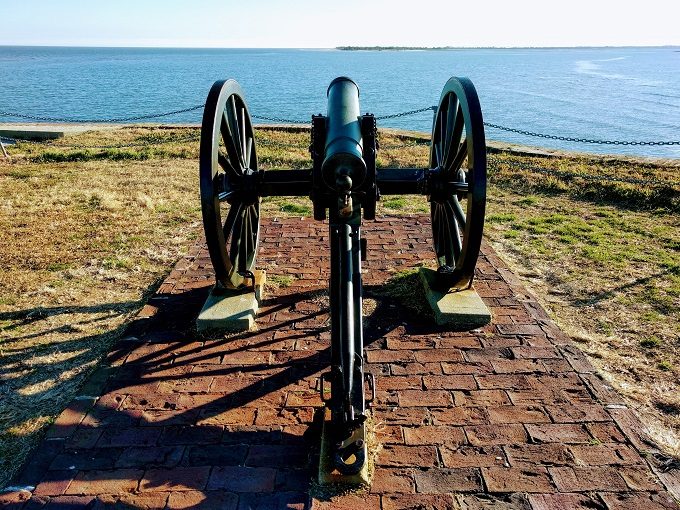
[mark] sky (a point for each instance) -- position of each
(326, 24)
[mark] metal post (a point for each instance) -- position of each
(4, 151)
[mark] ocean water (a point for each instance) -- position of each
(603, 93)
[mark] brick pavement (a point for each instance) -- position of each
(510, 415)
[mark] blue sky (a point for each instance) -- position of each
(323, 24)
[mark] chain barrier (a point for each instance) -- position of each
(99, 121)
(405, 114)
(382, 117)
(280, 119)
(587, 177)
(574, 139)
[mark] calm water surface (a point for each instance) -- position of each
(606, 93)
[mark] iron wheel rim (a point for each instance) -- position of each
(228, 171)
(458, 160)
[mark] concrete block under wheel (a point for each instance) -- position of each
(456, 308)
(231, 310)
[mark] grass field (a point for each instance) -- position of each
(87, 234)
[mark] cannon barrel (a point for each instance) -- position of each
(343, 166)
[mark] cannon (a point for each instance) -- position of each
(344, 186)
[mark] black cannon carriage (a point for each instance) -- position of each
(344, 186)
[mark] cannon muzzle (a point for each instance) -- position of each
(343, 167)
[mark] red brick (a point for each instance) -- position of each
(517, 366)
(399, 383)
(502, 479)
(528, 455)
(410, 343)
(472, 456)
(458, 416)
(415, 368)
(483, 435)
(149, 457)
(482, 367)
(55, 483)
(392, 480)
(527, 352)
(558, 433)
(605, 454)
(638, 478)
(208, 500)
(460, 342)
(480, 398)
(606, 432)
(147, 501)
(175, 479)
(443, 481)
(434, 435)
(65, 502)
(520, 329)
(639, 501)
(282, 456)
(502, 382)
(191, 435)
(242, 479)
(81, 460)
(578, 413)
(69, 419)
(384, 356)
(135, 436)
(389, 434)
(247, 358)
(435, 355)
(417, 501)
(105, 482)
(517, 414)
(349, 502)
(406, 456)
(423, 398)
(492, 502)
(568, 479)
(449, 382)
(403, 416)
(280, 417)
(560, 501)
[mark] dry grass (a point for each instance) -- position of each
(86, 235)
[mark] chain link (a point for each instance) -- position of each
(587, 177)
(281, 119)
(574, 139)
(404, 114)
(99, 121)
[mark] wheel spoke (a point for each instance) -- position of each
(451, 117)
(226, 165)
(243, 243)
(232, 150)
(458, 212)
(456, 134)
(242, 122)
(457, 162)
(236, 129)
(235, 248)
(230, 222)
(249, 152)
(454, 229)
(437, 154)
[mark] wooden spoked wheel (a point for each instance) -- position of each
(458, 183)
(228, 175)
